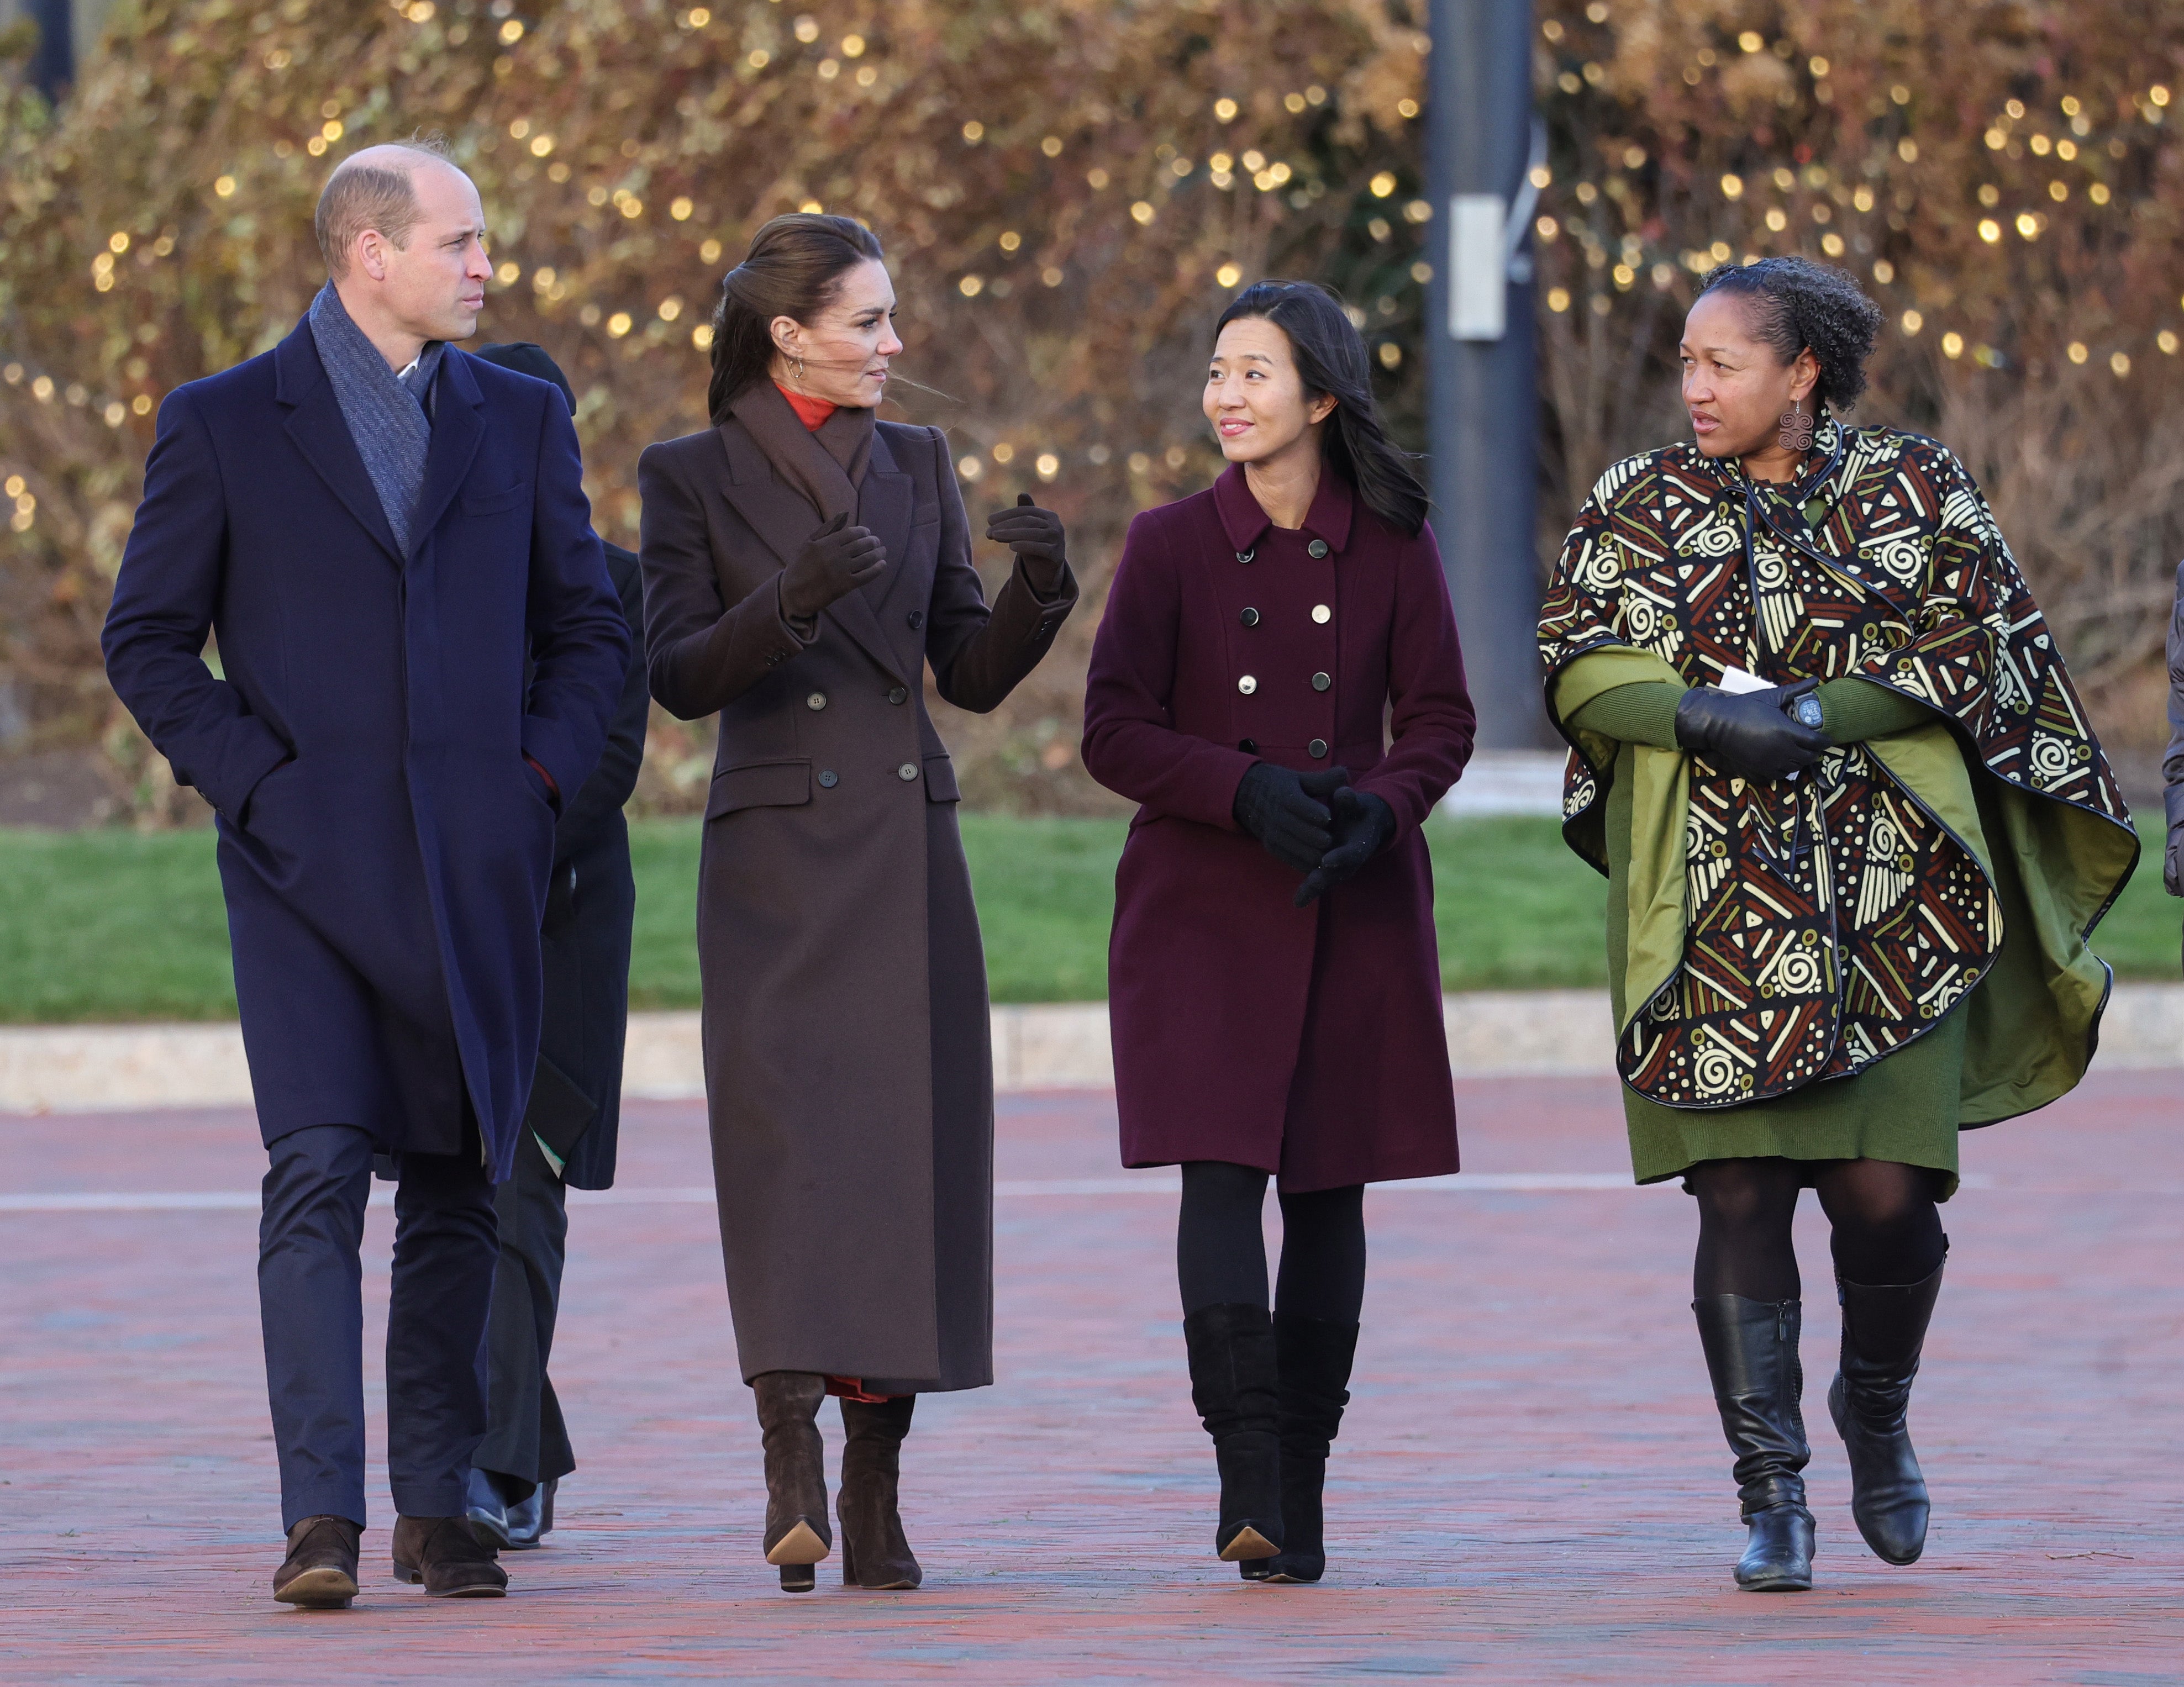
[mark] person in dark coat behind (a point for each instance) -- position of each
(803, 562)
(1274, 982)
(380, 528)
(575, 1114)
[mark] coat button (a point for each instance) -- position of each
(1249, 746)
(1321, 614)
(1250, 617)
(1247, 685)
(907, 772)
(1316, 550)
(1246, 556)
(817, 700)
(916, 619)
(1318, 749)
(829, 779)
(899, 694)
(1321, 681)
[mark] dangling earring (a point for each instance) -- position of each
(1796, 427)
(799, 376)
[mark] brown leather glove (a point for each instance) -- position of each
(1035, 536)
(834, 562)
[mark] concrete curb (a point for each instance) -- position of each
(111, 1068)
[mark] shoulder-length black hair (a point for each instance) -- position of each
(794, 268)
(1330, 358)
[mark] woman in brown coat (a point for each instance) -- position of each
(803, 563)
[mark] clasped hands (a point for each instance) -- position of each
(1753, 734)
(1313, 823)
(840, 558)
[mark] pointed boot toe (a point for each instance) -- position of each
(1884, 1332)
(1888, 1491)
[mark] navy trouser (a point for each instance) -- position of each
(310, 1301)
(528, 1441)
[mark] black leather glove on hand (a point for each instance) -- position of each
(833, 563)
(1288, 812)
(1363, 824)
(1035, 536)
(1747, 734)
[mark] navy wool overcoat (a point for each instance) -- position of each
(383, 847)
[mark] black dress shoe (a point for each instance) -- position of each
(487, 1508)
(530, 1517)
(448, 1558)
(320, 1571)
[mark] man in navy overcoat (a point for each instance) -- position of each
(377, 529)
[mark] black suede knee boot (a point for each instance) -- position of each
(1234, 1385)
(1883, 1331)
(1752, 1356)
(1313, 1356)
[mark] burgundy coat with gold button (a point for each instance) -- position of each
(1305, 1041)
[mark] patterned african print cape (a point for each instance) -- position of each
(1830, 919)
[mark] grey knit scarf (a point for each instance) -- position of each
(389, 415)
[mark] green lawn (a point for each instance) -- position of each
(116, 926)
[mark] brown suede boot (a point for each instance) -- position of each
(450, 1561)
(320, 1571)
(796, 1533)
(875, 1552)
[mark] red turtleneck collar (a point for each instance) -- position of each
(811, 412)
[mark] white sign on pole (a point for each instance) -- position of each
(1478, 268)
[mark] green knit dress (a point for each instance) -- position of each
(1903, 1108)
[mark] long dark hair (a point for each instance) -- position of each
(1330, 358)
(794, 268)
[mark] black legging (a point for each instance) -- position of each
(1221, 1252)
(1887, 1229)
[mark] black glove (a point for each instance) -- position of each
(1288, 812)
(1363, 824)
(1747, 734)
(1035, 536)
(833, 563)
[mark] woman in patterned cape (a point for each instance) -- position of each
(1857, 833)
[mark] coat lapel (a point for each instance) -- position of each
(321, 433)
(783, 520)
(886, 503)
(457, 430)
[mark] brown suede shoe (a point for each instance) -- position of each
(450, 1561)
(320, 1571)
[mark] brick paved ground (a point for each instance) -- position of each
(1531, 1487)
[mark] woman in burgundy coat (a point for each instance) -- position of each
(1276, 682)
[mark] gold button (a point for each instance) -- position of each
(817, 700)
(1247, 685)
(1321, 614)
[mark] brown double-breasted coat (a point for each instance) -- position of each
(847, 1060)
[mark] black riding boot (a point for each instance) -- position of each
(1883, 1331)
(1314, 1356)
(1234, 1385)
(875, 1552)
(796, 1533)
(1752, 1355)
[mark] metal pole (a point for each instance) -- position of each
(1483, 407)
